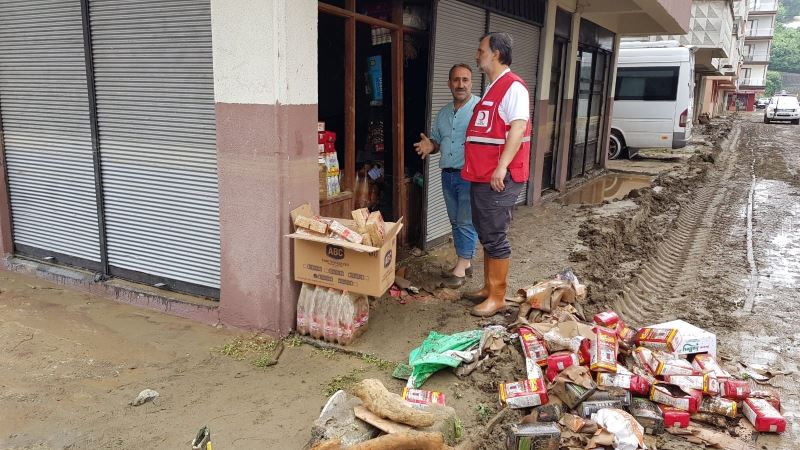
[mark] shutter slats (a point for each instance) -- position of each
(155, 100)
(45, 116)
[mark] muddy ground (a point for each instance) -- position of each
(70, 363)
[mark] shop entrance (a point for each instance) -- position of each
(555, 106)
(373, 77)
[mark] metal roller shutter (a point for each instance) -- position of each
(524, 59)
(458, 29)
(46, 128)
(155, 101)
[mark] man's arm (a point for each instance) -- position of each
(513, 143)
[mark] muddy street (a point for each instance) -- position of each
(714, 240)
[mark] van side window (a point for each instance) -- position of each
(647, 83)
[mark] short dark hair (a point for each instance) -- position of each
(456, 66)
(501, 42)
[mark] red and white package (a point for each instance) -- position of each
(608, 319)
(666, 339)
(705, 383)
(674, 417)
(719, 405)
(533, 346)
(523, 394)
(707, 364)
(559, 361)
(734, 389)
(634, 383)
(673, 395)
(626, 335)
(642, 356)
(421, 397)
(770, 395)
(603, 350)
(764, 417)
(662, 363)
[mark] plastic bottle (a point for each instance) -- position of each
(361, 315)
(346, 319)
(316, 324)
(304, 307)
(331, 315)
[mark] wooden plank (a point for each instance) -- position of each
(400, 198)
(341, 12)
(350, 103)
(385, 425)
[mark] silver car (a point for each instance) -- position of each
(783, 107)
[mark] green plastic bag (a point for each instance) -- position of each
(436, 353)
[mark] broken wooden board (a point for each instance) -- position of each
(385, 425)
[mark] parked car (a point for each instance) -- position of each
(784, 107)
(653, 99)
(762, 103)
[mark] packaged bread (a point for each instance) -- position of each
(343, 232)
(361, 216)
(311, 224)
(376, 228)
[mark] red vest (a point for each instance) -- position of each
(486, 137)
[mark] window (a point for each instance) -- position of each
(647, 83)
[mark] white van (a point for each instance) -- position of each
(653, 98)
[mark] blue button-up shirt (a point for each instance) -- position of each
(450, 131)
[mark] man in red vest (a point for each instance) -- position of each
(497, 163)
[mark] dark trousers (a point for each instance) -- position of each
(491, 216)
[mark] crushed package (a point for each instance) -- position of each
(608, 319)
(705, 383)
(423, 398)
(707, 364)
(718, 405)
(523, 394)
(559, 361)
(648, 414)
(673, 395)
(534, 350)
(634, 383)
(531, 436)
(603, 350)
(734, 389)
(662, 363)
(376, 228)
(666, 339)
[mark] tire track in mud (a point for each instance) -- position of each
(672, 270)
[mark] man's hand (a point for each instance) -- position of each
(425, 146)
(497, 179)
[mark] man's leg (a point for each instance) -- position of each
(450, 192)
(465, 237)
(492, 218)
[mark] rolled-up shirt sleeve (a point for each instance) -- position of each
(516, 104)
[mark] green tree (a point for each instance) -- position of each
(774, 83)
(787, 9)
(785, 50)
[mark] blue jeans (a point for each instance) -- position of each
(459, 210)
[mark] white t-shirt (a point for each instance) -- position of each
(516, 103)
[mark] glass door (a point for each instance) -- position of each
(591, 89)
(583, 89)
(554, 111)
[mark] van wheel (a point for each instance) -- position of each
(616, 145)
(796, 122)
(766, 120)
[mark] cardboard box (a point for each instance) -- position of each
(346, 266)
(693, 339)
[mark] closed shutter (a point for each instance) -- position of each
(524, 59)
(45, 117)
(459, 27)
(155, 101)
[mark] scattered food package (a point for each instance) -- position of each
(523, 394)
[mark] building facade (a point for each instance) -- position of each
(165, 143)
(759, 30)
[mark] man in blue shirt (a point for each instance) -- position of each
(447, 137)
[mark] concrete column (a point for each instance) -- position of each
(569, 104)
(612, 79)
(541, 139)
(265, 89)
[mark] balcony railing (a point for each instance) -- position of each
(752, 82)
(760, 32)
(756, 57)
(762, 5)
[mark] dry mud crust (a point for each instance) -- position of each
(615, 249)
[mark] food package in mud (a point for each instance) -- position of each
(707, 364)
(571, 394)
(770, 395)
(663, 364)
(589, 407)
(523, 394)
(534, 350)
(559, 361)
(635, 383)
(343, 232)
(705, 382)
(617, 394)
(626, 335)
(642, 356)
(666, 339)
(648, 414)
(533, 436)
(675, 396)
(734, 389)
(764, 417)
(603, 350)
(674, 417)
(360, 216)
(420, 398)
(718, 405)
(608, 319)
(376, 228)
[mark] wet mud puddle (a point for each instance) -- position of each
(608, 187)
